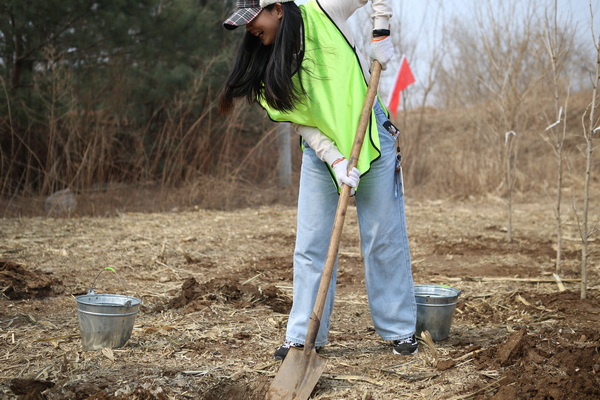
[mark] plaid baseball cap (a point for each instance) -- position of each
(246, 12)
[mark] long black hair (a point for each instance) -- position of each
(260, 70)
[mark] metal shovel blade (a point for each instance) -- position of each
(297, 376)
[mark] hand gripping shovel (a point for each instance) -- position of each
(301, 368)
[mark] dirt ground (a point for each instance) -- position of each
(216, 288)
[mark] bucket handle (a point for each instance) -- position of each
(91, 289)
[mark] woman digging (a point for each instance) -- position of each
(300, 64)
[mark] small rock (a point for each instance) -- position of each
(445, 364)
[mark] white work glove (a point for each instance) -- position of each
(382, 50)
(340, 168)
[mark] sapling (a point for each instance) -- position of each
(557, 142)
(588, 133)
(558, 45)
(590, 128)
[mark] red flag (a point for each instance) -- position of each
(403, 80)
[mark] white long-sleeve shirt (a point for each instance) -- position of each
(340, 11)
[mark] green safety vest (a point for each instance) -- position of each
(335, 88)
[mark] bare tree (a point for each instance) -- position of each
(433, 58)
(425, 52)
(590, 129)
(557, 44)
(506, 50)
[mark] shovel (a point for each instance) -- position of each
(301, 368)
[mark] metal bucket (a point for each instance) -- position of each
(435, 308)
(106, 320)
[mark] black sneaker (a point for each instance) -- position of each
(282, 351)
(406, 347)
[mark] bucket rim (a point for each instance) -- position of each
(436, 294)
(84, 299)
(436, 304)
(455, 291)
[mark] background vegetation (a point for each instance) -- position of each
(105, 97)
(121, 92)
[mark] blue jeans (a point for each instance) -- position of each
(384, 240)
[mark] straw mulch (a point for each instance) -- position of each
(216, 288)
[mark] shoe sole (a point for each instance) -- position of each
(405, 353)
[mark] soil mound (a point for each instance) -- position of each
(563, 365)
(195, 296)
(19, 283)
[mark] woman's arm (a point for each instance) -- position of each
(382, 13)
(324, 147)
(341, 10)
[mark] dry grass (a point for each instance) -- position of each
(226, 163)
(459, 153)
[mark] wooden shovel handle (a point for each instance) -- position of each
(340, 215)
